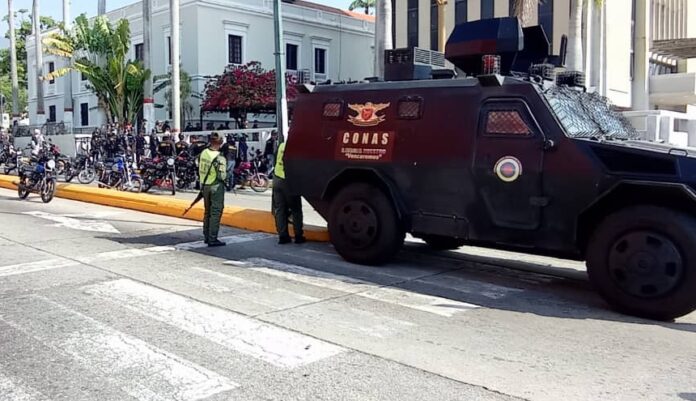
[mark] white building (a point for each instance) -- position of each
(622, 58)
(321, 42)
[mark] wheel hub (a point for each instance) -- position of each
(358, 223)
(645, 264)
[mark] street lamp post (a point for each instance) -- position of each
(38, 48)
(442, 31)
(176, 88)
(281, 97)
(13, 61)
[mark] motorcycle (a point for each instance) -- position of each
(186, 170)
(117, 173)
(159, 172)
(86, 172)
(8, 157)
(37, 176)
(249, 173)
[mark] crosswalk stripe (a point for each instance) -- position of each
(422, 302)
(13, 390)
(30, 267)
(277, 346)
(152, 373)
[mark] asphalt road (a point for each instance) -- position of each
(99, 303)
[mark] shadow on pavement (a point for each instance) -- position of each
(538, 290)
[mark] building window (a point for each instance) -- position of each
(319, 60)
(546, 19)
(84, 114)
(169, 50)
(412, 23)
(83, 77)
(51, 70)
(51, 114)
(139, 52)
(461, 13)
(433, 25)
(291, 57)
(234, 49)
(487, 9)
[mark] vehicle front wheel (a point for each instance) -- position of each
(364, 226)
(48, 190)
(642, 260)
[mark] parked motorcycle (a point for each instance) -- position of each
(249, 173)
(8, 157)
(159, 172)
(117, 173)
(186, 170)
(86, 172)
(37, 176)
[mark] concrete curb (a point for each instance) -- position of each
(232, 216)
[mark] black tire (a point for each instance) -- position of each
(172, 177)
(364, 226)
(48, 190)
(86, 176)
(145, 187)
(442, 243)
(642, 260)
(259, 183)
(22, 192)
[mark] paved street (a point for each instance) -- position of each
(98, 303)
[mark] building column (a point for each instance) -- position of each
(67, 91)
(640, 88)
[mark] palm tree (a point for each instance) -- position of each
(99, 52)
(365, 4)
(164, 83)
(523, 9)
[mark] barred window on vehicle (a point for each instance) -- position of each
(506, 122)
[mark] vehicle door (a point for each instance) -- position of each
(508, 165)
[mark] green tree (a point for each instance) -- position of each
(22, 31)
(364, 4)
(99, 52)
(164, 83)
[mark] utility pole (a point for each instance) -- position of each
(38, 48)
(101, 8)
(176, 85)
(67, 92)
(383, 34)
(148, 101)
(13, 61)
(281, 97)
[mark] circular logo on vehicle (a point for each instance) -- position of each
(508, 169)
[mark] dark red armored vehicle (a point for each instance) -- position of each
(525, 159)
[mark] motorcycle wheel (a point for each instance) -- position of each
(172, 177)
(259, 183)
(145, 187)
(8, 169)
(48, 190)
(60, 167)
(136, 185)
(22, 190)
(87, 176)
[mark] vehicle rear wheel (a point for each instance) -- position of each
(642, 260)
(259, 183)
(22, 188)
(442, 243)
(86, 175)
(364, 226)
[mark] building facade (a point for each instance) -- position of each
(620, 58)
(321, 43)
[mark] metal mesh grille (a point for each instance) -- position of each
(506, 122)
(588, 115)
(332, 110)
(409, 109)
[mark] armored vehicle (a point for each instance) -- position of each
(515, 155)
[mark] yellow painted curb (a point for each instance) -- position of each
(233, 216)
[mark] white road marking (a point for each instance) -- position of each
(76, 224)
(31, 267)
(272, 344)
(151, 373)
(425, 303)
(14, 390)
(467, 286)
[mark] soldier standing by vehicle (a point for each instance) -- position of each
(286, 202)
(212, 173)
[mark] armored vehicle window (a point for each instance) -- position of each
(506, 122)
(410, 108)
(333, 109)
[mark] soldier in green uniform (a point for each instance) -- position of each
(212, 172)
(286, 202)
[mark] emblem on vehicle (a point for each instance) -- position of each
(367, 114)
(508, 169)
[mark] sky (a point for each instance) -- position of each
(54, 8)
